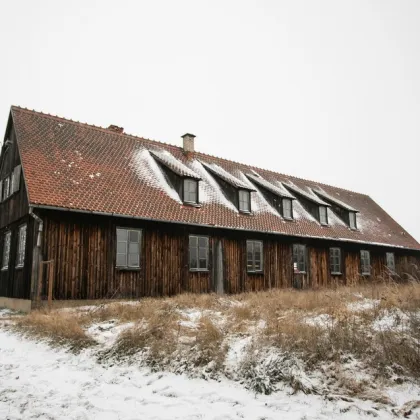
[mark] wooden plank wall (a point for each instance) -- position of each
(16, 206)
(14, 282)
(83, 248)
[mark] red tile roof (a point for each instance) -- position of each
(73, 165)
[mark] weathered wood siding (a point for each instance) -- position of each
(14, 282)
(83, 248)
(16, 206)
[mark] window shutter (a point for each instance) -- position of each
(16, 178)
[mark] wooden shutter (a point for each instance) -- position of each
(16, 178)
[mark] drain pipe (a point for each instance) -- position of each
(40, 225)
(36, 260)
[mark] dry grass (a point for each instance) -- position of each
(167, 333)
(57, 327)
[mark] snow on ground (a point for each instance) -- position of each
(39, 382)
(322, 320)
(363, 305)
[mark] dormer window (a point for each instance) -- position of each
(190, 191)
(323, 217)
(287, 208)
(352, 220)
(244, 201)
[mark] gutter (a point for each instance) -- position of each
(148, 219)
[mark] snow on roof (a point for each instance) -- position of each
(333, 219)
(258, 202)
(209, 189)
(149, 172)
(281, 192)
(308, 194)
(173, 164)
(319, 191)
(226, 176)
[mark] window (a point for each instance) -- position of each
(20, 260)
(390, 261)
(244, 201)
(199, 253)
(352, 220)
(323, 218)
(365, 262)
(299, 258)
(6, 251)
(128, 248)
(287, 208)
(335, 260)
(254, 256)
(190, 191)
(6, 188)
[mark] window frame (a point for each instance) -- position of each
(5, 265)
(352, 214)
(21, 250)
(289, 200)
(241, 190)
(393, 261)
(128, 266)
(334, 264)
(363, 262)
(3, 196)
(299, 247)
(198, 269)
(253, 269)
(184, 190)
(326, 215)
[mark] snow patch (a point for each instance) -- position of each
(149, 172)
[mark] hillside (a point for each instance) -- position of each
(348, 353)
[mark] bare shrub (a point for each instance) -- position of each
(209, 344)
(157, 336)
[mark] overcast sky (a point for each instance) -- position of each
(323, 90)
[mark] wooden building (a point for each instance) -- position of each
(89, 213)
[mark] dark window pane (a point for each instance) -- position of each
(323, 215)
(203, 263)
(203, 241)
(134, 235)
(202, 253)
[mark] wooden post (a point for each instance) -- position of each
(38, 292)
(50, 281)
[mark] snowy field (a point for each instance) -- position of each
(42, 380)
(37, 382)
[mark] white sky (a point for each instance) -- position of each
(324, 90)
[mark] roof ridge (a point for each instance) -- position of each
(135, 137)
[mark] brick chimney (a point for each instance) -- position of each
(188, 143)
(116, 129)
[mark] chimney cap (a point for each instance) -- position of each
(188, 135)
(116, 129)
